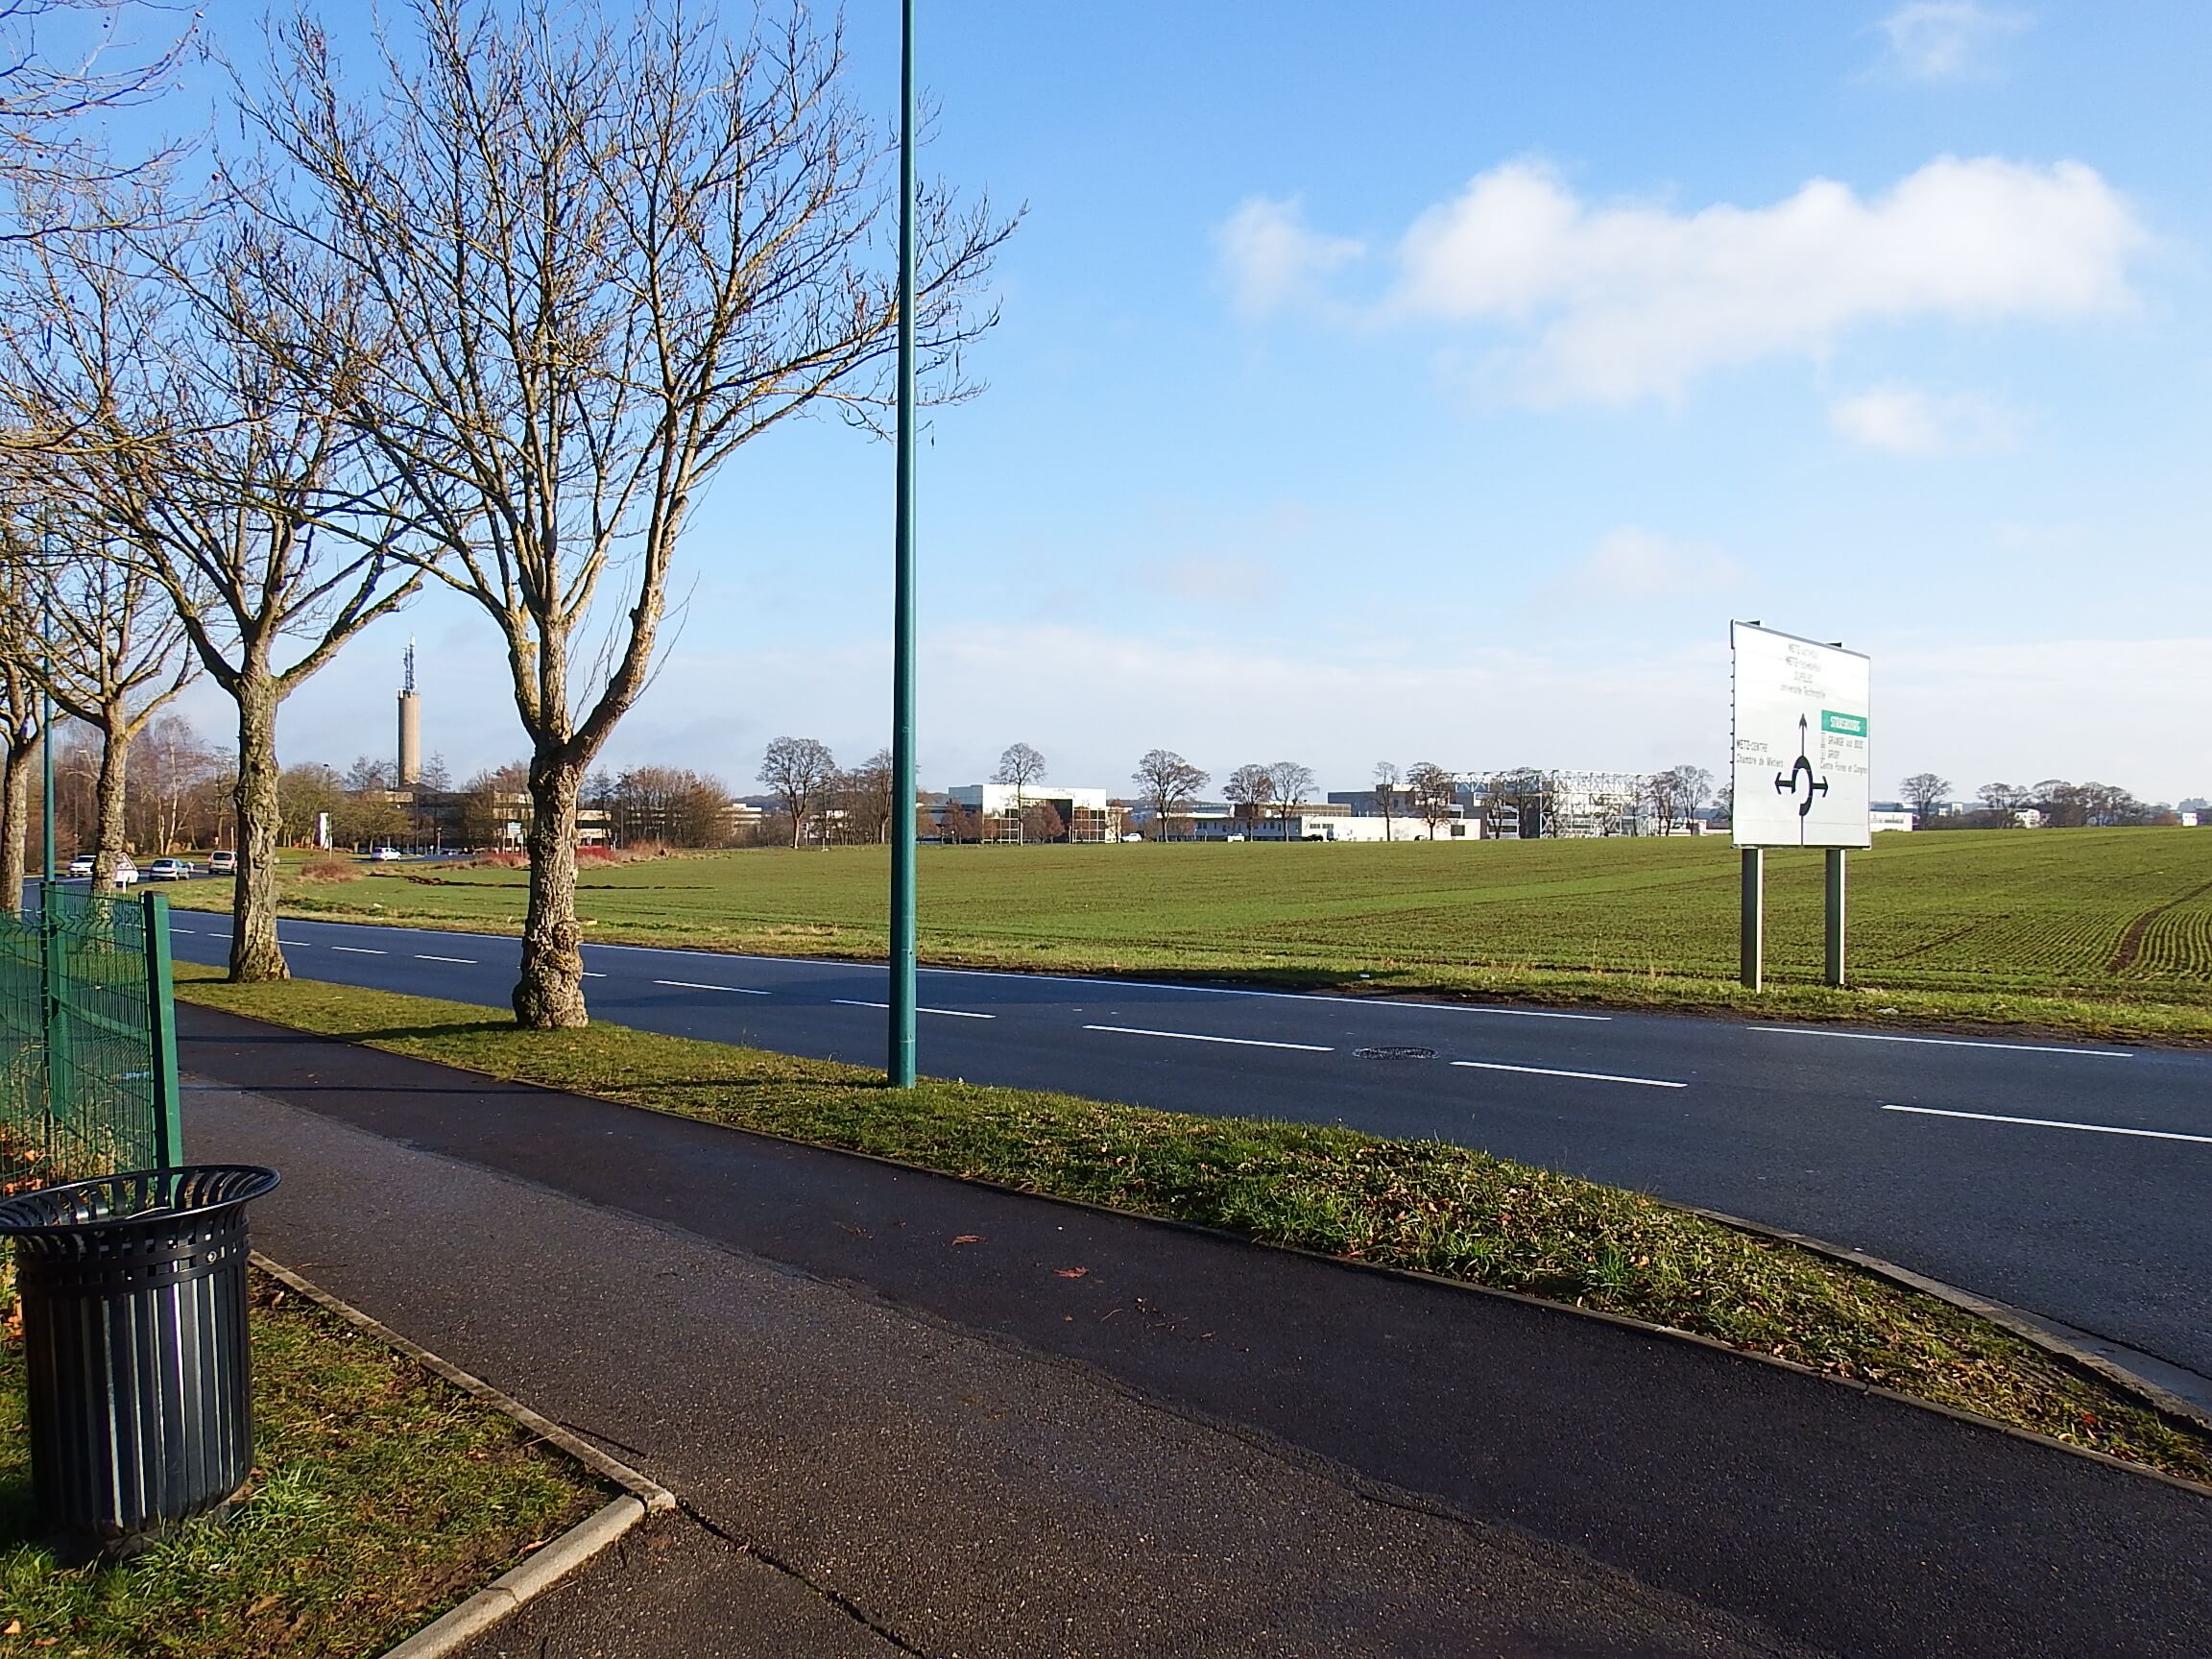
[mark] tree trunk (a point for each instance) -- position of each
(15, 822)
(255, 953)
(107, 798)
(549, 996)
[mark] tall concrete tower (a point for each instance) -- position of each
(410, 727)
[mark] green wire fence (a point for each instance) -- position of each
(87, 1039)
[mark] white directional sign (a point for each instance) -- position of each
(1800, 765)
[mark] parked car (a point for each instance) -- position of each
(81, 865)
(222, 863)
(169, 870)
(386, 854)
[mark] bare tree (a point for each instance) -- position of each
(488, 803)
(1434, 794)
(1288, 783)
(1924, 792)
(21, 712)
(1674, 795)
(175, 774)
(1020, 766)
(2003, 801)
(116, 655)
(1042, 822)
(617, 248)
(1386, 775)
(1529, 791)
(184, 388)
(58, 74)
(1168, 782)
(799, 771)
(1249, 789)
(870, 796)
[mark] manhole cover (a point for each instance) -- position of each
(1398, 1053)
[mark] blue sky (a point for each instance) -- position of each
(1435, 382)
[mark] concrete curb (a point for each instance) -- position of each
(541, 1573)
(640, 1499)
(2008, 1318)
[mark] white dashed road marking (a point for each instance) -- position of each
(1585, 1076)
(1197, 1037)
(948, 1013)
(2053, 1123)
(1950, 1041)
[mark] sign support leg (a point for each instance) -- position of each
(1753, 954)
(1836, 856)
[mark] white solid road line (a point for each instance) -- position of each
(1196, 1037)
(357, 950)
(465, 961)
(694, 985)
(1949, 1042)
(174, 929)
(2053, 1123)
(948, 1013)
(1586, 1076)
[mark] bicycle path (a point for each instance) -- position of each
(908, 1414)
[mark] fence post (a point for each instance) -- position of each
(53, 1013)
(162, 1035)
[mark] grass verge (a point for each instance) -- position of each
(1426, 1205)
(381, 1495)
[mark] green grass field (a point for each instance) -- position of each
(2107, 931)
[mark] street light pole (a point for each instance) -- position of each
(901, 1068)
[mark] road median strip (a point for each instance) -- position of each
(1428, 1206)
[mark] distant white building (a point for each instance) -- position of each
(999, 811)
(1878, 820)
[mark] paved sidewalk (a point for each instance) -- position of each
(889, 1441)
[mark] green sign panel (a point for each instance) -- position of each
(1849, 725)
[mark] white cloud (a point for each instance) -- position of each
(1632, 563)
(1628, 302)
(1906, 421)
(1270, 259)
(1945, 39)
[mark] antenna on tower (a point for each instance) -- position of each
(408, 688)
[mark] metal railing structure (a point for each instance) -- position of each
(87, 1039)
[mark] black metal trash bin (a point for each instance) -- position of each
(133, 1292)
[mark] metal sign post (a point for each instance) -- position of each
(1752, 952)
(1835, 929)
(900, 1062)
(1800, 770)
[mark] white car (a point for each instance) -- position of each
(386, 855)
(81, 865)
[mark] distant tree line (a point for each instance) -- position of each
(2054, 803)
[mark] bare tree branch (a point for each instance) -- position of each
(610, 249)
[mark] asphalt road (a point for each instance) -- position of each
(2066, 1179)
(1002, 1425)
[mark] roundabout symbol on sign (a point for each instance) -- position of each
(1785, 782)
